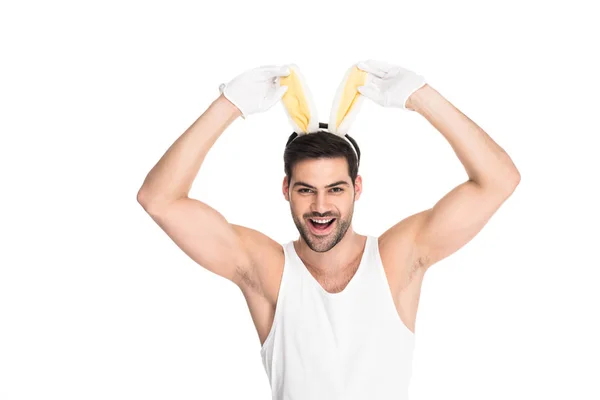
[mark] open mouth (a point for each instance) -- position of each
(318, 227)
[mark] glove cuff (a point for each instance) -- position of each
(420, 82)
(224, 92)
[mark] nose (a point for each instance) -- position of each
(320, 205)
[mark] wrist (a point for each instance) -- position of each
(227, 106)
(416, 100)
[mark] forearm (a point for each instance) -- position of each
(172, 177)
(484, 160)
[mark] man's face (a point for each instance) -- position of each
(312, 195)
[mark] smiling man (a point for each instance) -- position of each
(334, 310)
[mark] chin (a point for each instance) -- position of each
(324, 243)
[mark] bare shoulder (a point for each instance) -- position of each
(266, 263)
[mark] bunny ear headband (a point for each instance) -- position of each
(302, 112)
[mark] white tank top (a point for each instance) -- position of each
(347, 345)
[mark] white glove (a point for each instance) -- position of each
(389, 85)
(256, 90)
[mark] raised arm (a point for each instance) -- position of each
(200, 231)
(197, 229)
(456, 218)
(462, 213)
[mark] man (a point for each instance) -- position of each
(334, 310)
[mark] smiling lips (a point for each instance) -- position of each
(321, 219)
(322, 228)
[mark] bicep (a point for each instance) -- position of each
(455, 219)
(206, 237)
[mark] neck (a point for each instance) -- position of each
(345, 255)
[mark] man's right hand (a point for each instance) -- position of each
(256, 90)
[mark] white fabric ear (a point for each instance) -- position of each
(298, 92)
(350, 117)
(346, 88)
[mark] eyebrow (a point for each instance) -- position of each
(300, 183)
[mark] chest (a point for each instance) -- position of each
(403, 279)
(335, 283)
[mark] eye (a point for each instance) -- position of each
(309, 190)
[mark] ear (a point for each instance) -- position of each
(347, 101)
(285, 189)
(358, 187)
(298, 102)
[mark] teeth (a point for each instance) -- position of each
(324, 221)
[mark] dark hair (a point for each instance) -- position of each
(320, 144)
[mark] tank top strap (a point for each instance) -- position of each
(369, 257)
(292, 270)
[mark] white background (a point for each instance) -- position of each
(96, 302)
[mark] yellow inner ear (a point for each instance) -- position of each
(294, 100)
(350, 93)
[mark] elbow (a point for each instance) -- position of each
(510, 177)
(510, 174)
(511, 182)
(144, 200)
(515, 178)
(154, 204)
(503, 184)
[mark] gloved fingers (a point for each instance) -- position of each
(276, 72)
(378, 68)
(273, 98)
(266, 69)
(266, 73)
(280, 92)
(374, 82)
(275, 87)
(370, 69)
(371, 91)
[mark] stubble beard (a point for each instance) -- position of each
(326, 243)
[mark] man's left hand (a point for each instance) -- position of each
(389, 85)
